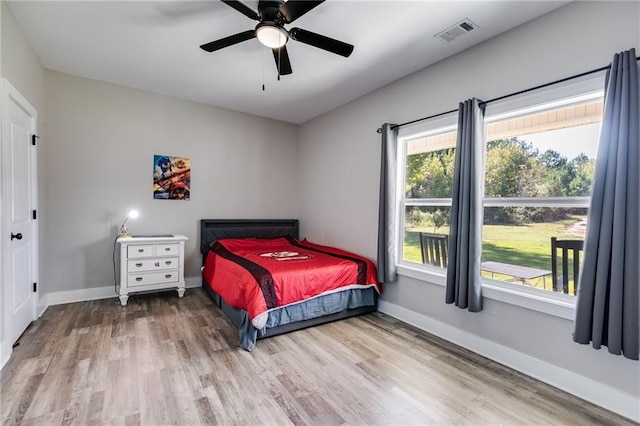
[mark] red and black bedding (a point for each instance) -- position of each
(263, 275)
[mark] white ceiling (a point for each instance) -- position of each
(154, 45)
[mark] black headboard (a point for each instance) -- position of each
(212, 230)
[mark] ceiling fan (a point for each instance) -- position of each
(272, 16)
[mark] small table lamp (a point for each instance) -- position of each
(123, 228)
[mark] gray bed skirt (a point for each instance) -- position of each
(319, 310)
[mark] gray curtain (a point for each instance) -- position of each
(465, 234)
(387, 241)
(608, 297)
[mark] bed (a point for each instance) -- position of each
(217, 235)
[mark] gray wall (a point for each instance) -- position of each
(101, 139)
(20, 64)
(340, 154)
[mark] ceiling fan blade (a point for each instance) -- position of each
(228, 41)
(322, 42)
(293, 9)
(243, 8)
(282, 60)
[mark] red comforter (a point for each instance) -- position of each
(262, 274)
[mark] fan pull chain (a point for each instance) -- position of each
(263, 54)
(279, 53)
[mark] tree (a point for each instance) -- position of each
(511, 171)
(513, 168)
(556, 174)
(415, 176)
(583, 169)
(439, 217)
(430, 174)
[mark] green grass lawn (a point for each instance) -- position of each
(526, 245)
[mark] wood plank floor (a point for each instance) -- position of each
(163, 360)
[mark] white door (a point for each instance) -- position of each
(20, 229)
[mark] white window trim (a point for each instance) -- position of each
(442, 124)
(433, 202)
(555, 304)
(537, 202)
(585, 88)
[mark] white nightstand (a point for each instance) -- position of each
(150, 263)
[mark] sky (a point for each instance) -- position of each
(569, 142)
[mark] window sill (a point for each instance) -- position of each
(558, 305)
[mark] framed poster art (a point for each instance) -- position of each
(171, 178)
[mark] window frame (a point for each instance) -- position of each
(552, 303)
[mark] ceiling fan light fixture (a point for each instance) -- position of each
(271, 36)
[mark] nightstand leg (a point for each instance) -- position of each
(180, 292)
(123, 299)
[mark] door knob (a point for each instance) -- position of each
(17, 236)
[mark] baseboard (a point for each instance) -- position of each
(79, 295)
(588, 389)
(86, 294)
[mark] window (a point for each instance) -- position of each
(428, 156)
(539, 167)
(539, 163)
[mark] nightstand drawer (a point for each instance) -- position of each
(152, 278)
(140, 250)
(142, 265)
(167, 249)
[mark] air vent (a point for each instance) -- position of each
(458, 30)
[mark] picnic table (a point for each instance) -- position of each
(521, 273)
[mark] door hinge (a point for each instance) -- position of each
(33, 139)
(34, 215)
(35, 287)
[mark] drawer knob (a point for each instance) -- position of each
(139, 279)
(168, 262)
(138, 264)
(140, 250)
(167, 249)
(168, 276)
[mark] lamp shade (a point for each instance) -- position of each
(271, 36)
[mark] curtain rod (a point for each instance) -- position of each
(562, 80)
